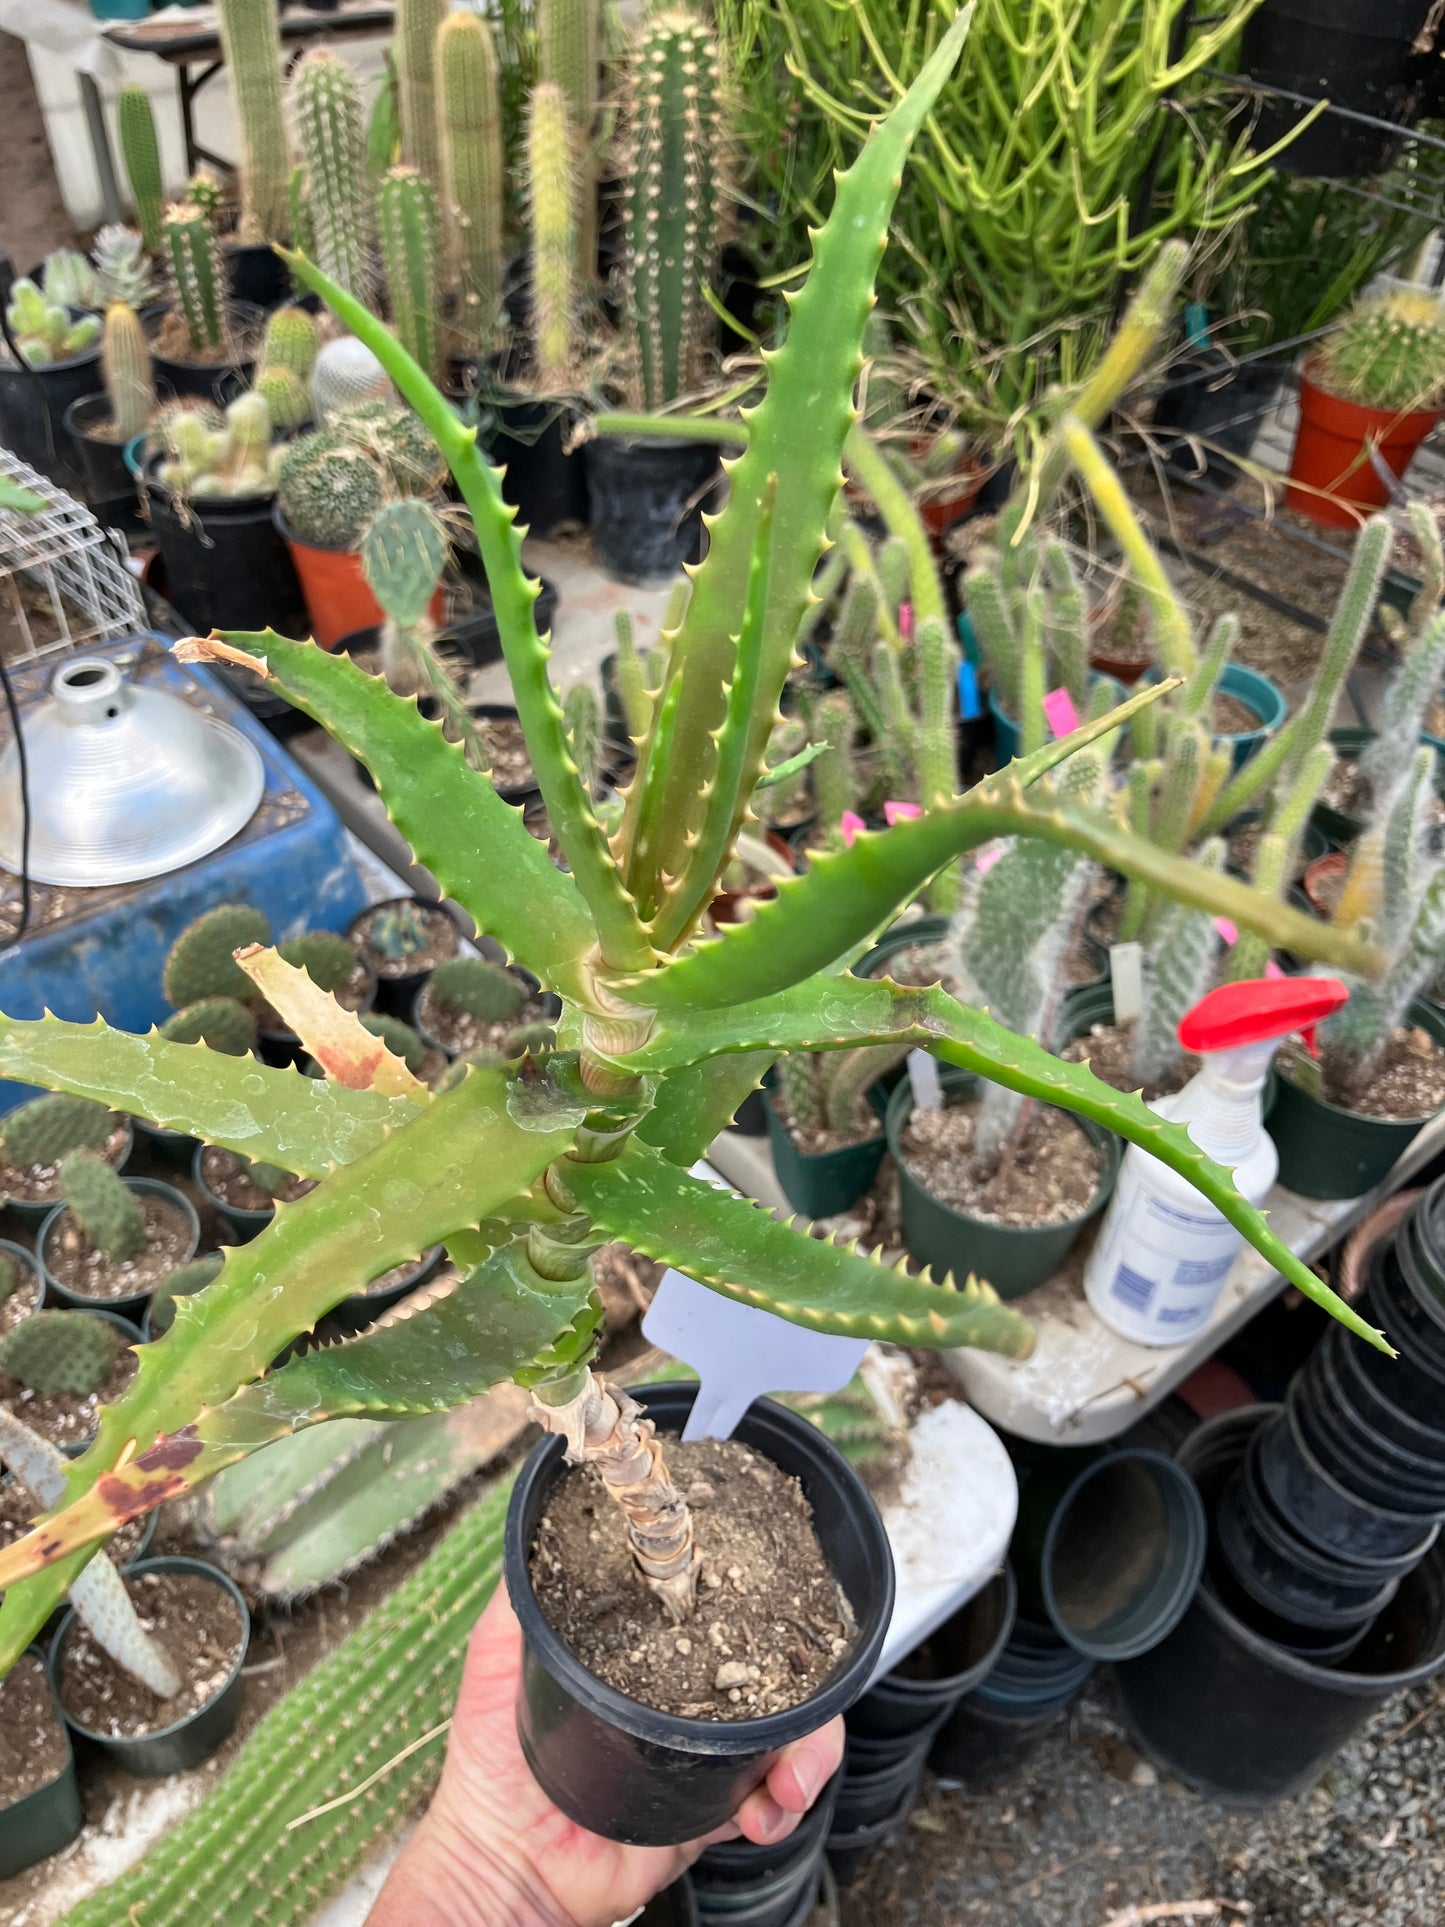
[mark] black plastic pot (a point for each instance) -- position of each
(395, 993)
(864, 1756)
(869, 1793)
(1012, 1258)
(1373, 1401)
(33, 404)
(1321, 1509)
(227, 566)
(633, 1774)
(1123, 1554)
(518, 794)
(135, 1304)
(110, 487)
(675, 1906)
(778, 1902)
(1412, 1382)
(1209, 411)
(954, 1659)
(213, 381)
(1326, 1151)
(1387, 1473)
(1356, 54)
(645, 501)
(902, 936)
(1404, 1286)
(1245, 1722)
(1283, 1574)
(363, 1308)
(848, 1849)
(44, 1821)
(987, 1739)
(821, 1183)
(191, 1740)
(546, 485)
(247, 1224)
(550, 1003)
(743, 1873)
(257, 275)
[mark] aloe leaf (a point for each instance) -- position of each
(472, 842)
(841, 1013)
(305, 1124)
(456, 1164)
(816, 918)
(745, 1253)
(797, 433)
(457, 1341)
(694, 1104)
(347, 1052)
(514, 597)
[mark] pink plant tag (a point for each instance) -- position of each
(850, 825)
(900, 812)
(1063, 718)
(986, 859)
(905, 621)
(1272, 970)
(1229, 931)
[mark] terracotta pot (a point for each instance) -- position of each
(1318, 876)
(943, 505)
(338, 601)
(1332, 454)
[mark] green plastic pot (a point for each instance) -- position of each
(134, 1305)
(1013, 1258)
(46, 1820)
(1326, 1151)
(1340, 827)
(1006, 730)
(821, 1185)
(1261, 695)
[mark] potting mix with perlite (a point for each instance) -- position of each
(1163, 1253)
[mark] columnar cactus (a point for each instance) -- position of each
(549, 190)
(103, 1205)
(61, 1351)
(141, 153)
(569, 51)
(251, 41)
(473, 188)
(125, 361)
(331, 134)
(414, 53)
(583, 715)
(43, 1131)
(673, 199)
(206, 192)
(196, 270)
(409, 222)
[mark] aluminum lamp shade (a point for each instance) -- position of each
(125, 782)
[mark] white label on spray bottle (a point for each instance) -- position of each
(1176, 1265)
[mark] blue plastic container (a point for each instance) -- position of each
(1258, 693)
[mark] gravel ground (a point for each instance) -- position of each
(1089, 1831)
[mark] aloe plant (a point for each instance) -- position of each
(522, 1169)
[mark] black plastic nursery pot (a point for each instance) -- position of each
(33, 404)
(363, 1308)
(1326, 1151)
(902, 936)
(1243, 1721)
(787, 1901)
(741, 1873)
(134, 1304)
(227, 565)
(44, 1821)
(109, 486)
(397, 988)
(850, 1848)
(1357, 54)
(1013, 1258)
(986, 1739)
(1370, 1395)
(544, 483)
(247, 1224)
(955, 1658)
(868, 1793)
(191, 1740)
(647, 1778)
(1209, 411)
(821, 1183)
(257, 275)
(1386, 1471)
(645, 501)
(218, 381)
(1321, 1508)
(175, 1147)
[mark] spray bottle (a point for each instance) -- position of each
(1162, 1254)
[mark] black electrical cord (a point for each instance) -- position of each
(14, 708)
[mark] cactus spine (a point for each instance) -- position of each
(673, 197)
(140, 150)
(251, 41)
(553, 241)
(413, 46)
(569, 46)
(326, 109)
(196, 270)
(125, 360)
(410, 227)
(472, 171)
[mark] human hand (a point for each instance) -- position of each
(493, 1851)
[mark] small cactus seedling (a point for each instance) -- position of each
(200, 281)
(218, 1022)
(125, 361)
(200, 963)
(141, 153)
(183, 1282)
(328, 960)
(1387, 352)
(478, 989)
(569, 52)
(330, 130)
(39, 1134)
(43, 330)
(61, 1351)
(104, 1206)
(123, 270)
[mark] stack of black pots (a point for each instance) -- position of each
(994, 1729)
(742, 1885)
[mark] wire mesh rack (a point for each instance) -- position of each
(64, 580)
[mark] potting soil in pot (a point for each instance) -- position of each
(18, 1511)
(199, 1626)
(76, 1264)
(816, 1140)
(769, 1626)
(443, 937)
(24, 1298)
(1108, 1049)
(459, 1031)
(919, 964)
(40, 1183)
(1347, 788)
(1053, 1177)
(1408, 1081)
(33, 1751)
(507, 752)
(1232, 717)
(226, 1178)
(67, 1418)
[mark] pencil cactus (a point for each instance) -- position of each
(60, 1351)
(195, 260)
(331, 134)
(569, 52)
(251, 42)
(409, 222)
(522, 1168)
(43, 1131)
(473, 186)
(583, 714)
(673, 199)
(550, 201)
(414, 52)
(103, 1205)
(140, 151)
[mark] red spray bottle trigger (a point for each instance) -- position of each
(1258, 1009)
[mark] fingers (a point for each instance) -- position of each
(802, 1770)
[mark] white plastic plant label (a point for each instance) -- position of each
(740, 1353)
(927, 1085)
(1126, 977)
